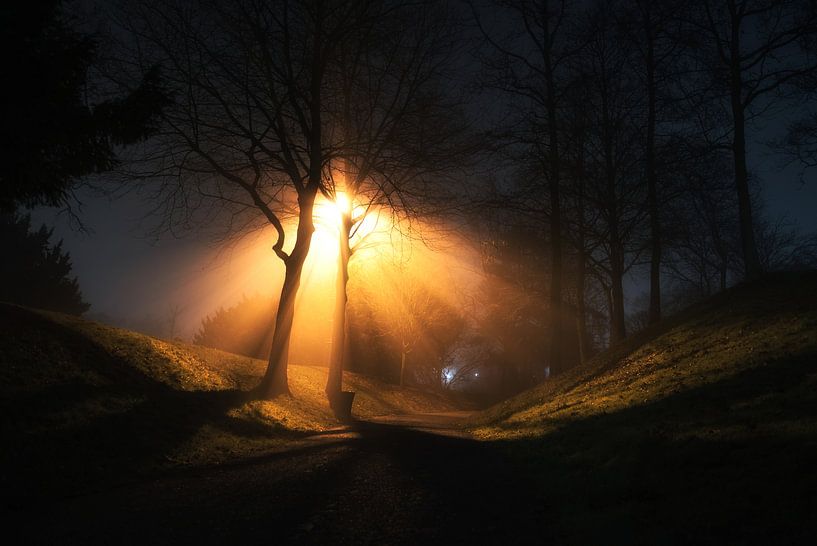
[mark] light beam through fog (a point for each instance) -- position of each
(385, 265)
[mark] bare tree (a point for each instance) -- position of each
(413, 319)
(531, 51)
(800, 144)
(801, 141)
(653, 29)
(783, 247)
(754, 50)
(249, 137)
(615, 183)
(579, 217)
(702, 228)
(402, 135)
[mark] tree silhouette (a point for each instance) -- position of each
(52, 133)
(256, 131)
(530, 55)
(752, 51)
(248, 139)
(415, 325)
(34, 272)
(403, 135)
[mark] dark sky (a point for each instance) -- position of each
(124, 273)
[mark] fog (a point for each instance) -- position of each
(165, 286)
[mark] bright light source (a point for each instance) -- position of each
(342, 203)
(366, 222)
(476, 374)
(328, 214)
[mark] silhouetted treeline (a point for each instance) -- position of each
(33, 271)
(619, 135)
(56, 129)
(277, 103)
(57, 125)
(625, 144)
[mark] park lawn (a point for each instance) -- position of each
(85, 405)
(702, 429)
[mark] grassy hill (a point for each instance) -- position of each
(84, 405)
(702, 429)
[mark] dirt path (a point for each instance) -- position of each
(413, 479)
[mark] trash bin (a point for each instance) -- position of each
(342, 406)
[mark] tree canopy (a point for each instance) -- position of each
(55, 128)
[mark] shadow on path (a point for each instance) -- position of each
(377, 483)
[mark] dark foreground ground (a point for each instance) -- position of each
(418, 479)
(702, 432)
(401, 480)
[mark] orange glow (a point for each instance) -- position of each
(324, 245)
(366, 221)
(342, 203)
(249, 266)
(327, 215)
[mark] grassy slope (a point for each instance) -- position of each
(703, 429)
(82, 403)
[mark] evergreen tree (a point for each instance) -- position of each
(54, 129)
(34, 272)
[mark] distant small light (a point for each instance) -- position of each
(476, 374)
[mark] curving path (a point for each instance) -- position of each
(407, 479)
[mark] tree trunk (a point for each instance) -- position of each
(402, 367)
(751, 260)
(581, 267)
(617, 330)
(581, 309)
(555, 205)
(608, 293)
(722, 271)
(274, 382)
(652, 185)
(334, 383)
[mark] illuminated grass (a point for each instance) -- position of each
(75, 391)
(701, 430)
(186, 367)
(743, 329)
